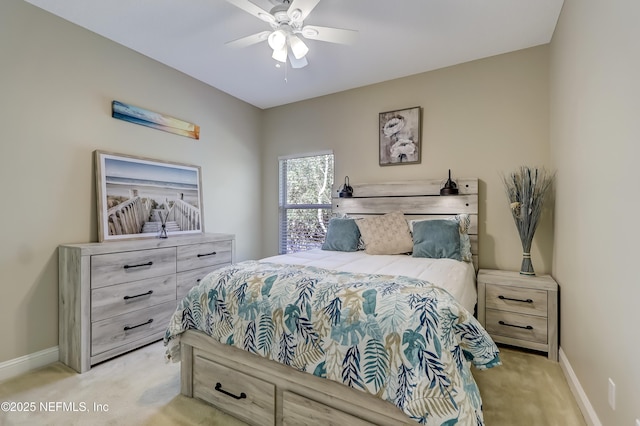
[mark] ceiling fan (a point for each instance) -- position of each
(286, 19)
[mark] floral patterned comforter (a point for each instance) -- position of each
(399, 338)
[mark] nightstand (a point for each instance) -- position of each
(519, 310)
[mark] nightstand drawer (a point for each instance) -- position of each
(517, 326)
(519, 300)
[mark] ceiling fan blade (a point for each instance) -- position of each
(332, 35)
(298, 63)
(300, 9)
(249, 40)
(251, 8)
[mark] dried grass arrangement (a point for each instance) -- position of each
(526, 189)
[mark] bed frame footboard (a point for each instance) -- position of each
(260, 391)
(186, 369)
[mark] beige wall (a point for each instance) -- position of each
(595, 135)
(56, 87)
(480, 119)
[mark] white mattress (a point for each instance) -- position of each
(458, 278)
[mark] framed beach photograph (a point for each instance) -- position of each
(145, 198)
(400, 137)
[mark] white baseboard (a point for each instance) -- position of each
(588, 412)
(17, 366)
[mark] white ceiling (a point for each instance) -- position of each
(395, 39)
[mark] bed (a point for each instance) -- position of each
(458, 278)
(325, 337)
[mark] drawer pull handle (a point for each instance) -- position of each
(219, 389)
(139, 295)
(515, 300)
(138, 266)
(213, 253)
(516, 326)
(127, 327)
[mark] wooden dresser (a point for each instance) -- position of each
(519, 310)
(119, 295)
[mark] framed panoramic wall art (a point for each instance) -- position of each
(144, 117)
(145, 198)
(400, 137)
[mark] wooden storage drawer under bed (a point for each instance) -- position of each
(298, 410)
(245, 397)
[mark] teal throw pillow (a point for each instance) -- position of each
(342, 235)
(436, 239)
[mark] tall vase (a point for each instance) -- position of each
(527, 267)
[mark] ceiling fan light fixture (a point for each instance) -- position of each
(280, 55)
(298, 47)
(277, 40)
(287, 35)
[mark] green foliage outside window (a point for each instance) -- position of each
(305, 202)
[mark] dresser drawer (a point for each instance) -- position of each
(206, 254)
(189, 279)
(122, 267)
(124, 298)
(123, 329)
(298, 410)
(245, 397)
(517, 326)
(519, 300)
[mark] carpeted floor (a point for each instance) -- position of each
(140, 389)
(527, 389)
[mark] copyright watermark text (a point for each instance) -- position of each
(52, 406)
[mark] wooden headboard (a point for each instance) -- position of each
(417, 199)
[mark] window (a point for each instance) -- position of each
(305, 200)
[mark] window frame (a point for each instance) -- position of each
(283, 206)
